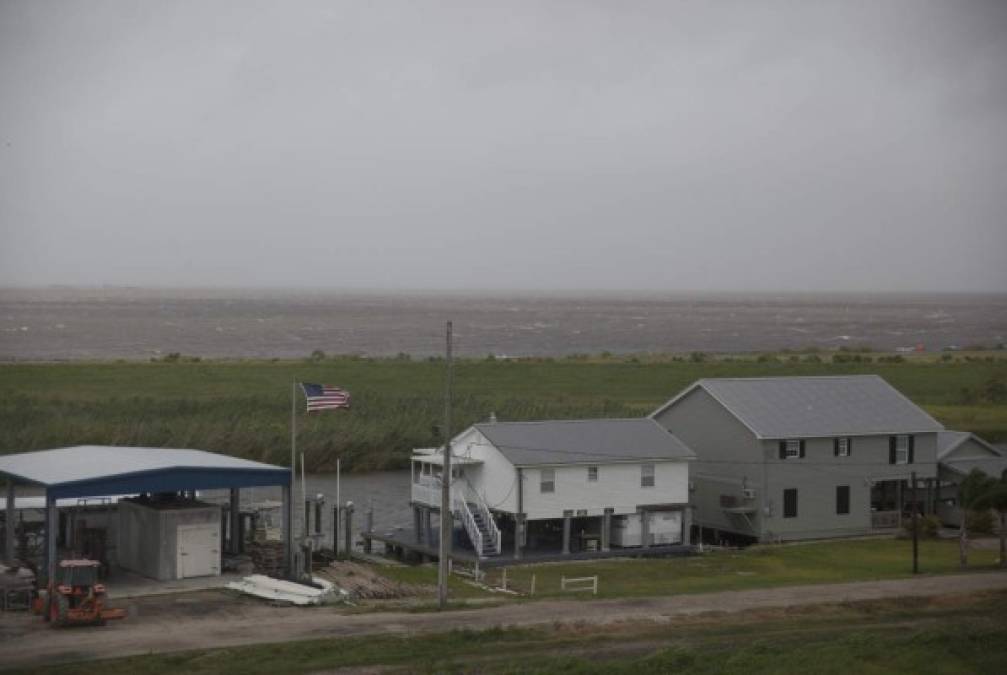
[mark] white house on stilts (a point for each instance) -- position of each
(557, 488)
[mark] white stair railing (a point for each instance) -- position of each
(461, 507)
(473, 496)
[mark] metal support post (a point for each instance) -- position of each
(51, 523)
(234, 545)
(606, 530)
(288, 533)
(10, 552)
(645, 529)
(369, 526)
(916, 529)
(349, 529)
(566, 535)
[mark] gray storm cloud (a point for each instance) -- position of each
(507, 145)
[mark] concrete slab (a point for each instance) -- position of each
(124, 584)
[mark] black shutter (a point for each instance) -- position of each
(911, 448)
(891, 449)
(783, 449)
(849, 446)
(802, 448)
(835, 447)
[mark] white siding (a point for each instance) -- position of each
(496, 478)
(618, 487)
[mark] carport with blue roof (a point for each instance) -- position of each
(98, 470)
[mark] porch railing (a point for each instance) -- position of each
(884, 520)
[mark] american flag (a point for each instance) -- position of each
(325, 397)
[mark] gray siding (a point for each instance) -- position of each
(728, 457)
(817, 475)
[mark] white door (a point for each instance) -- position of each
(198, 550)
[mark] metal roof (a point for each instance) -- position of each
(595, 441)
(994, 464)
(793, 407)
(87, 470)
(949, 441)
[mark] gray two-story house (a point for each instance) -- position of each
(787, 458)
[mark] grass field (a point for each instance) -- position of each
(243, 407)
(755, 567)
(939, 635)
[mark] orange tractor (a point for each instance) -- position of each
(75, 597)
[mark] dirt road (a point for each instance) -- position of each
(208, 619)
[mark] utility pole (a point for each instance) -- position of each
(443, 567)
(916, 531)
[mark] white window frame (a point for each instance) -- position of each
(648, 476)
(547, 486)
(844, 446)
(592, 474)
(793, 449)
(902, 449)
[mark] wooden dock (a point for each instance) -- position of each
(403, 543)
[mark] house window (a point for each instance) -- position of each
(900, 449)
(791, 449)
(843, 447)
(548, 481)
(647, 475)
(790, 503)
(842, 500)
(592, 474)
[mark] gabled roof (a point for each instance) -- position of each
(949, 441)
(794, 407)
(597, 441)
(994, 464)
(88, 470)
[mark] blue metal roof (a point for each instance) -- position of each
(90, 470)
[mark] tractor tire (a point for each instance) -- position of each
(59, 607)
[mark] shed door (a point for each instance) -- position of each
(198, 550)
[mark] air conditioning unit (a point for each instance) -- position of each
(692, 486)
(748, 493)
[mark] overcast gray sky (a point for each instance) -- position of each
(527, 145)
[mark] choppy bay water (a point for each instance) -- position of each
(386, 492)
(68, 324)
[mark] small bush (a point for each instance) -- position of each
(979, 522)
(697, 357)
(812, 358)
(928, 526)
(317, 355)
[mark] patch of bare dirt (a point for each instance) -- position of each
(362, 582)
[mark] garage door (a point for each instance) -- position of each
(198, 551)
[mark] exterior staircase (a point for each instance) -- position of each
(478, 522)
(489, 539)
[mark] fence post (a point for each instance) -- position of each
(532, 584)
